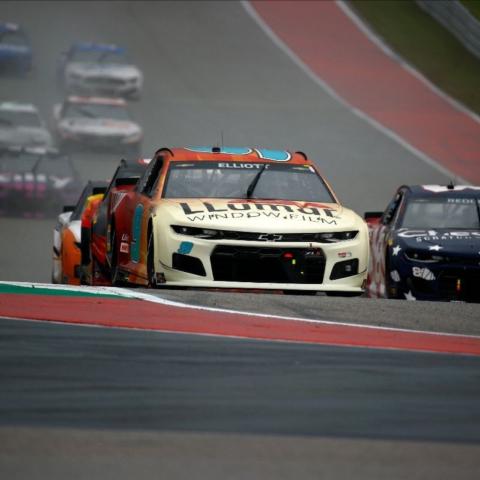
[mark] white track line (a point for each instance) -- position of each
(330, 91)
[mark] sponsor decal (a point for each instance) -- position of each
(461, 201)
(409, 296)
(125, 237)
(124, 247)
(435, 248)
(396, 249)
(424, 273)
(276, 155)
(395, 276)
(236, 210)
(185, 248)
(433, 235)
(136, 233)
(227, 150)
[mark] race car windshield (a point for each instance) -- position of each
(235, 180)
(96, 110)
(442, 213)
(13, 38)
(99, 56)
(16, 118)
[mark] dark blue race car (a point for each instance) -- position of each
(426, 244)
(15, 49)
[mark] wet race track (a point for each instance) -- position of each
(94, 402)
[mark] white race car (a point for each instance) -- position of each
(99, 69)
(236, 218)
(22, 126)
(94, 123)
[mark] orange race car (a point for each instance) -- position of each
(222, 217)
(96, 219)
(67, 236)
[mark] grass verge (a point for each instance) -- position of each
(426, 45)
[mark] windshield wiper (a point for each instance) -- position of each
(255, 180)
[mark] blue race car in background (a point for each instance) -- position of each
(15, 49)
(100, 70)
(426, 244)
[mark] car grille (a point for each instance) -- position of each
(267, 265)
(469, 285)
(105, 81)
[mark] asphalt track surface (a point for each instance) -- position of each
(103, 403)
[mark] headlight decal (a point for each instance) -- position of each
(212, 234)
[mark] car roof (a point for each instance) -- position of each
(97, 47)
(18, 107)
(97, 100)
(17, 150)
(236, 154)
(443, 190)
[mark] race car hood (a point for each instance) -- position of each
(25, 136)
(456, 242)
(108, 70)
(259, 215)
(99, 126)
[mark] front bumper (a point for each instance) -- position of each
(443, 281)
(190, 261)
